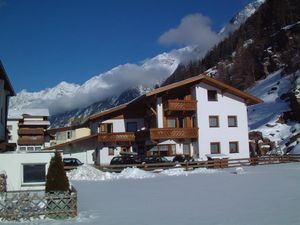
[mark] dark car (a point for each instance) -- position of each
(183, 158)
(71, 163)
(154, 159)
(123, 160)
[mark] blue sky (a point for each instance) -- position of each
(45, 42)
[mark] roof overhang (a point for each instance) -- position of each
(7, 84)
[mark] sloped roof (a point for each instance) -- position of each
(249, 99)
(78, 140)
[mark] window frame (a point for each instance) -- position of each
(33, 183)
(189, 145)
(209, 95)
(235, 120)
(111, 149)
(175, 122)
(170, 152)
(219, 147)
(218, 121)
(237, 147)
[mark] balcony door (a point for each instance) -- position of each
(106, 128)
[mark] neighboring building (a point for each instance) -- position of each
(200, 117)
(6, 90)
(28, 129)
(22, 170)
(66, 134)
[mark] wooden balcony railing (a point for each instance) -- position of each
(31, 140)
(116, 137)
(167, 133)
(31, 131)
(180, 105)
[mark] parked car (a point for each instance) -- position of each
(71, 163)
(155, 159)
(183, 158)
(125, 159)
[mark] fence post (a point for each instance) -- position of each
(186, 166)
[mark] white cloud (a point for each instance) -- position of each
(65, 97)
(111, 83)
(193, 29)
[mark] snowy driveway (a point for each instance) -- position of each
(263, 195)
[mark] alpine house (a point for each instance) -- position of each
(200, 117)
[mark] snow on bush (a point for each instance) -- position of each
(86, 172)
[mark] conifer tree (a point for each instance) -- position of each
(57, 179)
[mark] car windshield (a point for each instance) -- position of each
(78, 161)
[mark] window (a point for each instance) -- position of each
(125, 149)
(212, 95)
(131, 127)
(163, 150)
(111, 151)
(194, 122)
(109, 127)
(234, 147)
(213, 121)
(22, 148)
(182, 122)
(154, 150)
(186, 149)
(106, 128)
(215, 148)
(34, 173)
(37, 148)
(69, 134)
(171, 122)
(232, 121)
(30, 148)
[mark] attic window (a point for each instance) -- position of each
(212, 95)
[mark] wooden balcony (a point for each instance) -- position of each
(167, 133)
(31, 140)
(116, 137)
(31, 131)
(180, 105)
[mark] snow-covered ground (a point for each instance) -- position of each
(261, 195)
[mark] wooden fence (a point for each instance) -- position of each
(210, 164)
(28, 205)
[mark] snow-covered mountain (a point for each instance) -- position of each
(121, 84)
(241, 17)
(69, 103)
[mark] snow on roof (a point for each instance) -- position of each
(18, 114)
(36, 122)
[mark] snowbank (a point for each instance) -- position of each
(89, 173)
